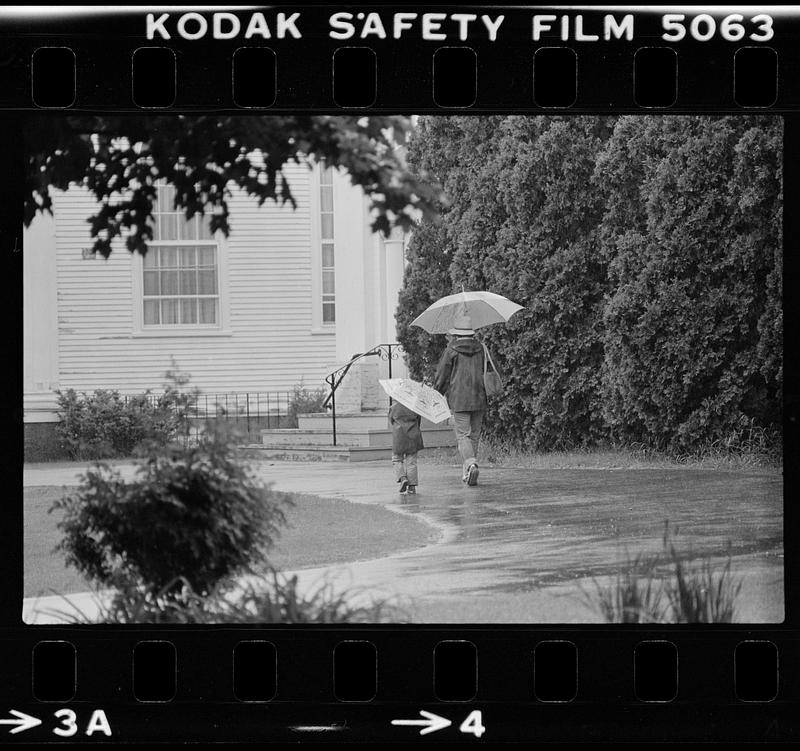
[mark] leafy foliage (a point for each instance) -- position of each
(304, 401)
(647, 253)
(194, 512)
(120, 158)
(105, 425)
(691, 323)
(426, 275)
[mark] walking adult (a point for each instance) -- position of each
(459, 376)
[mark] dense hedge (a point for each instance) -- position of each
(647, 252)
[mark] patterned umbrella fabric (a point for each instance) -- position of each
(418, 397)
(483, 308)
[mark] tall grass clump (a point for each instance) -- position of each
(667, 588)
(696, 592)
(634, 596)
(267, 597)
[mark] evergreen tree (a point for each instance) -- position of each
(647, 253)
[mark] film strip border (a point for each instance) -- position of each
(472, 58)
(300, 684)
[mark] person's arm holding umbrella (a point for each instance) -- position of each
(443, 371)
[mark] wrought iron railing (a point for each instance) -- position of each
(386, 352)
(249, 410)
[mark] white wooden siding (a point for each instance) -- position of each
(269, 344)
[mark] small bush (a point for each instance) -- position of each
(194, 512)
(105, 425)
(304, 401)
(667, 588)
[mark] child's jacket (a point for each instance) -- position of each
(406, 433)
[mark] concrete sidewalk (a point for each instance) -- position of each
(519, 547)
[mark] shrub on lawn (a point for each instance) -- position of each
(104, 424)
(304, 401)
(194, 512)
(667, 588)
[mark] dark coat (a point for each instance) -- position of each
(459, 375)
(406, 433)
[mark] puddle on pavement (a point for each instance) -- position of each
(558, 525)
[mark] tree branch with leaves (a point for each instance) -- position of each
(120, 159)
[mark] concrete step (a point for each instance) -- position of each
(322, 453)
(431, 437)
(358, 421)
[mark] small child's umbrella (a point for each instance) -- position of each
(418, 397)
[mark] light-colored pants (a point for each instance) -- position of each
(468, 434)
(405, 467)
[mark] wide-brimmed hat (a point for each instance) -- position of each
(462, 327)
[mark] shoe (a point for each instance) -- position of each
(412, 489)
(472, 474)
(404, 486)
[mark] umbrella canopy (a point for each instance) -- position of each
(483, 309)
(418, 397)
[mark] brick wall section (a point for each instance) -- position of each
(360, 391)
(42, 444)
(372, 395)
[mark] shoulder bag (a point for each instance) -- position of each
(492, 381)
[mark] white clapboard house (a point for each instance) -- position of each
(286, 298)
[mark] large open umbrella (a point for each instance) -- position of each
(483, 308)
(418, 397)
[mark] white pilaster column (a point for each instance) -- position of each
(394, 255)
(40, 319)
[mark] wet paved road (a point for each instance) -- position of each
(531, 534)
(514, 548)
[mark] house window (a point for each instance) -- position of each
(180, 282)
(327, 245)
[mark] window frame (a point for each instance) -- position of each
(318, 326)
(140, 329)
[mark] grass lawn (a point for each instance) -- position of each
(600, 458)
(319, 531)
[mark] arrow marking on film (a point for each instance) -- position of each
(431, 723)
(23, 722)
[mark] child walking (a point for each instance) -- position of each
(406, 442)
